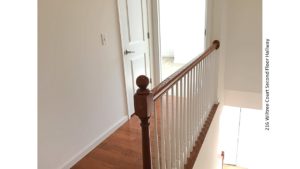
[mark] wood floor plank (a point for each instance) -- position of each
(121, 150)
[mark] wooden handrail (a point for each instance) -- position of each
(144, 104)
(171, 80)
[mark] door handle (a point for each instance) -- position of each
(126, 52)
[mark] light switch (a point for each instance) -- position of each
(103, 39)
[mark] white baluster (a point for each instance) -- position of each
(181, 128)
(185, 120)
(198, 100)
(202, 93)
(156, 162)
(209, 81)
(189, 113)
(163, 133)
(205, 87)
(192, 110)
(209, 85)
(195, 105)
(177, 125)
(168, 133)
(172, 122)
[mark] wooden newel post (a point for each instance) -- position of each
(143, 105)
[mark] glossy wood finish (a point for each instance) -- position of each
(121, 150)
(143, 108)
(144, 100)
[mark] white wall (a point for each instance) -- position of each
(81, 84)
(243, 53)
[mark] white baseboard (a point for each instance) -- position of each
(93, 144)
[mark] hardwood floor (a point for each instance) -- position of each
(121, 150)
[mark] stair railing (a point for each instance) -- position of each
(183, 107)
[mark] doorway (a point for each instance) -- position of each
(179, 28)
(182, 33)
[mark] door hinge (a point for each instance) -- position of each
(150, 80)
(205, 32)
(148, 35)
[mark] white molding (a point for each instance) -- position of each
(150, 40)
(155, 29)
(85, 150)
(123, 62)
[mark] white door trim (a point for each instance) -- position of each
(155, 31)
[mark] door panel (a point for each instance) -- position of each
(135, 44)
(135, 21)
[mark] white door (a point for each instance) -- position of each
(135, 44)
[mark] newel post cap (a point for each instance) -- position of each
(142, 82)
(217, 42)
(143, 98)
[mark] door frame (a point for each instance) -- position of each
(155, 41)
